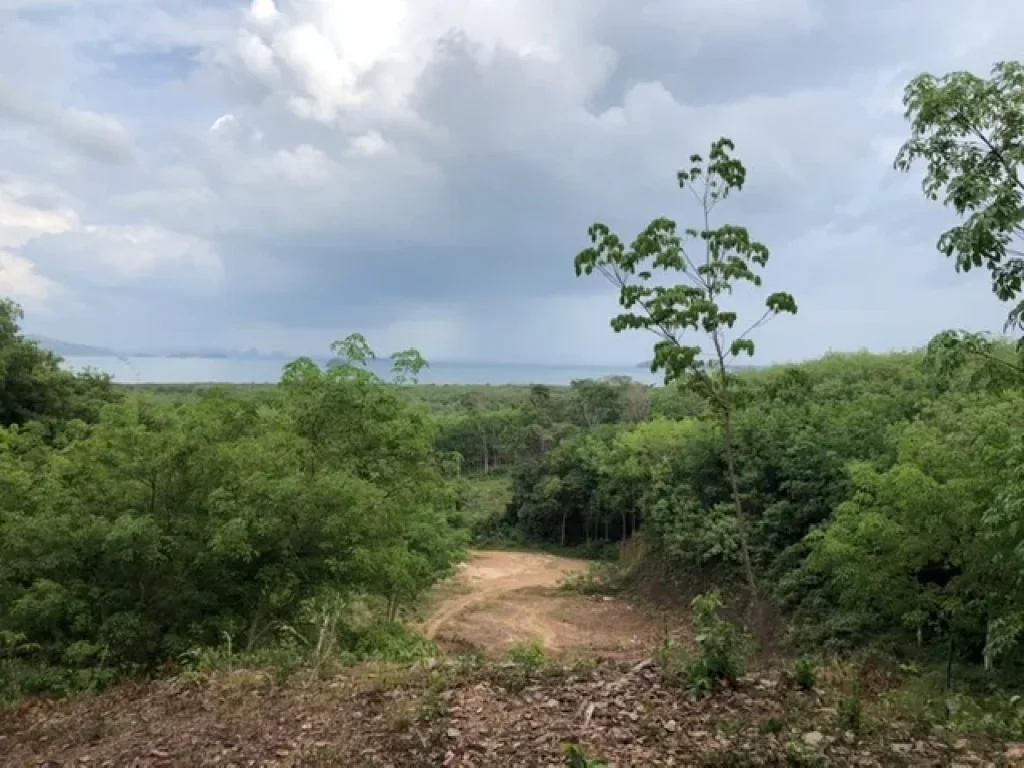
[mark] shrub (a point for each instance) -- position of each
(722, 649)
(169, 526)
(576, 756)
(805, 673)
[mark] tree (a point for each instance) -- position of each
(729, 257)
(969, 131)
(34, 387)
(169, 524)
(598, 401)
(932, 544)
(984, 362)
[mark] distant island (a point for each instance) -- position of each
(647, 366)
(70, 349)
(73, 349)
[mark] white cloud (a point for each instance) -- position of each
(427, 169)
(20, 281)
(20, 223)
(303, 166)
(370, 144)
(108, 256)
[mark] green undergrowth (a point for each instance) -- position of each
(316, 654)
(510, 541)
(600, 578)
(317, 651)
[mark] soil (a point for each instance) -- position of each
(461, 711)
(501, 599)
(442, 716)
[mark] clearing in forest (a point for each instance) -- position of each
(500, 599)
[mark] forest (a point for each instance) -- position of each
(874, 500)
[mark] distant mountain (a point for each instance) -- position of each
(209, 353)
(647, 366)
(70, 349)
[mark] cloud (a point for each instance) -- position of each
(117, 256)
(53, 262)
(286, 171)
(99, 137)
(21, 221)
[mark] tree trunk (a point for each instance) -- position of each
(565, 514)
(725, 409)
(741, 520)
(487, 464)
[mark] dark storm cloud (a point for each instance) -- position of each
(440, 171)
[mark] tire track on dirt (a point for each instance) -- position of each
(505, 599)
(490, 575)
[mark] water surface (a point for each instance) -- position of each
(188, 370)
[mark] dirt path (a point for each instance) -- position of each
(504, 598)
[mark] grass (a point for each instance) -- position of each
(600, 578)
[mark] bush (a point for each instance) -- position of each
(722, 649)
(598, 579)
(170, 526)
(576, 756)
(529, 655)
(805, 674)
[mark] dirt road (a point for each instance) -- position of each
(503, 598)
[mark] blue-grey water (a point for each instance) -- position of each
(190, 370)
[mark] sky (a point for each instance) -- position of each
(279, 174)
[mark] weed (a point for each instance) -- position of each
(576, 756)
(771, 726)
(391, 641)
(805, 673)
(529, 662)
(584, 666)
(799, 756)
(673, 660)
(851, 712)
(434, 708)
(722, 649)
(22, 674)
(729, 758)
(998, 716)
(530, 655)
(600, 578)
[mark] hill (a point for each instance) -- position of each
(69, 348)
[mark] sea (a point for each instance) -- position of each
(204, 370)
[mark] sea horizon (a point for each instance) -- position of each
(216, 370)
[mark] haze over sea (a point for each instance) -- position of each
(189, 370)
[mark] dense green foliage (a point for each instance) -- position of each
(879, 497)
(33, 387)
(171, 525)
(883, 497)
